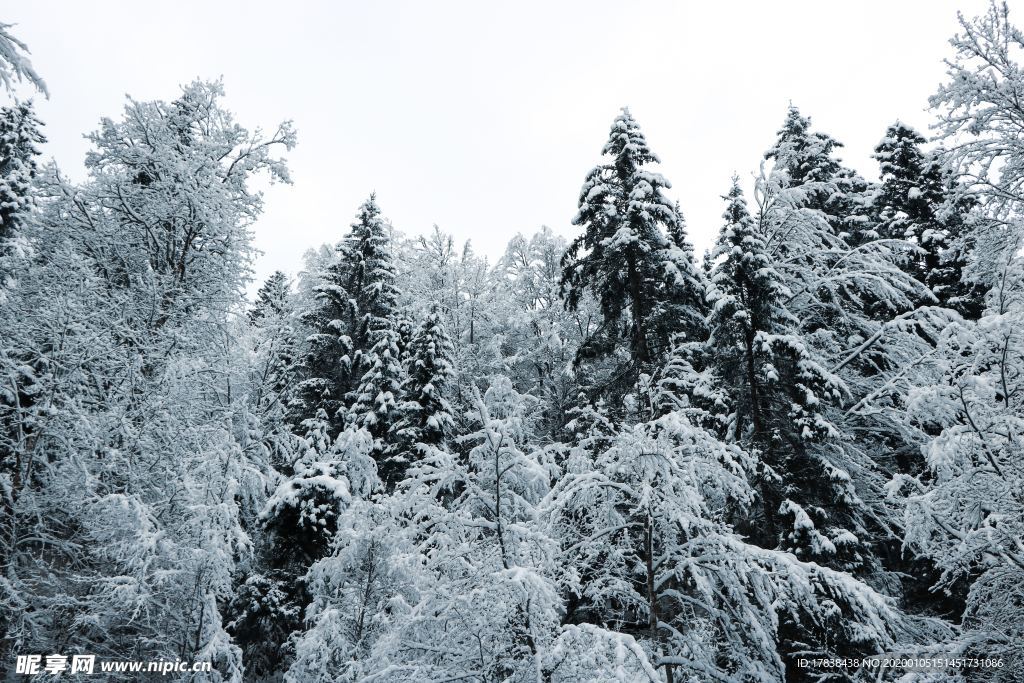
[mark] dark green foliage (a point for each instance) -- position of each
(632, 258)
(265, 611)
(918, 201)
(355, 303)
(807, 160)
(777, 391)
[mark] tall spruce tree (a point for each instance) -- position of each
(275, 345)
(352, 377)
(630, 259)
(371, 281)
(326, 370)
(807, 159)
(917, 201)
(780, 392)
(375, 401)
(425, 416)
(20, 136)
(271, 299)
(355, 304)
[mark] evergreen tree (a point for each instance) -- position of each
(271, 299)
(376, 399)
(355, 303)
(425, 415)
(806, 159)
(326, 368)
(276, 349)
(807, 156)
(631, 257)
(344, 406)
(780, 392)
(405, 330)
(299, 524)
(918, 202)
(19, 136)
(370, 283)
(786, 445)
(707, 264)
(815, 217)
(376, 331)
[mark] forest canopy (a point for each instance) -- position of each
(600, 459)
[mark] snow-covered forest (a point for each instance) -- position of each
(604, 459)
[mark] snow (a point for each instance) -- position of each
(587, 461)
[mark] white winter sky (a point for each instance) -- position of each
(484, 117)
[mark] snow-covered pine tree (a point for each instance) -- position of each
(19, 136)
(355, 300)
(405, 329)
(859, 313)
(326, 366)
(376, 340)
(424, 418)
(647, 285)
(779, 395)
(273, 321)
(806, 159)
(300, 522)
(352, 381)
(916, 202)
(377, 398)
(816, 218)
(271, 298)
(371, 281)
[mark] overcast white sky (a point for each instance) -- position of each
(484, 117)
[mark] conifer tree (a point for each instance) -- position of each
(355, 302)
(376, 399)
(425, 416)
(405, 330)
(806, 159)
(276, 353)
(806, 155)
(371, 281)
(779, 390)
(271, 299)
(19, 136)
(765, 458)
(327, 363)
(918, 202)
(645, 281)
(344, 405)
